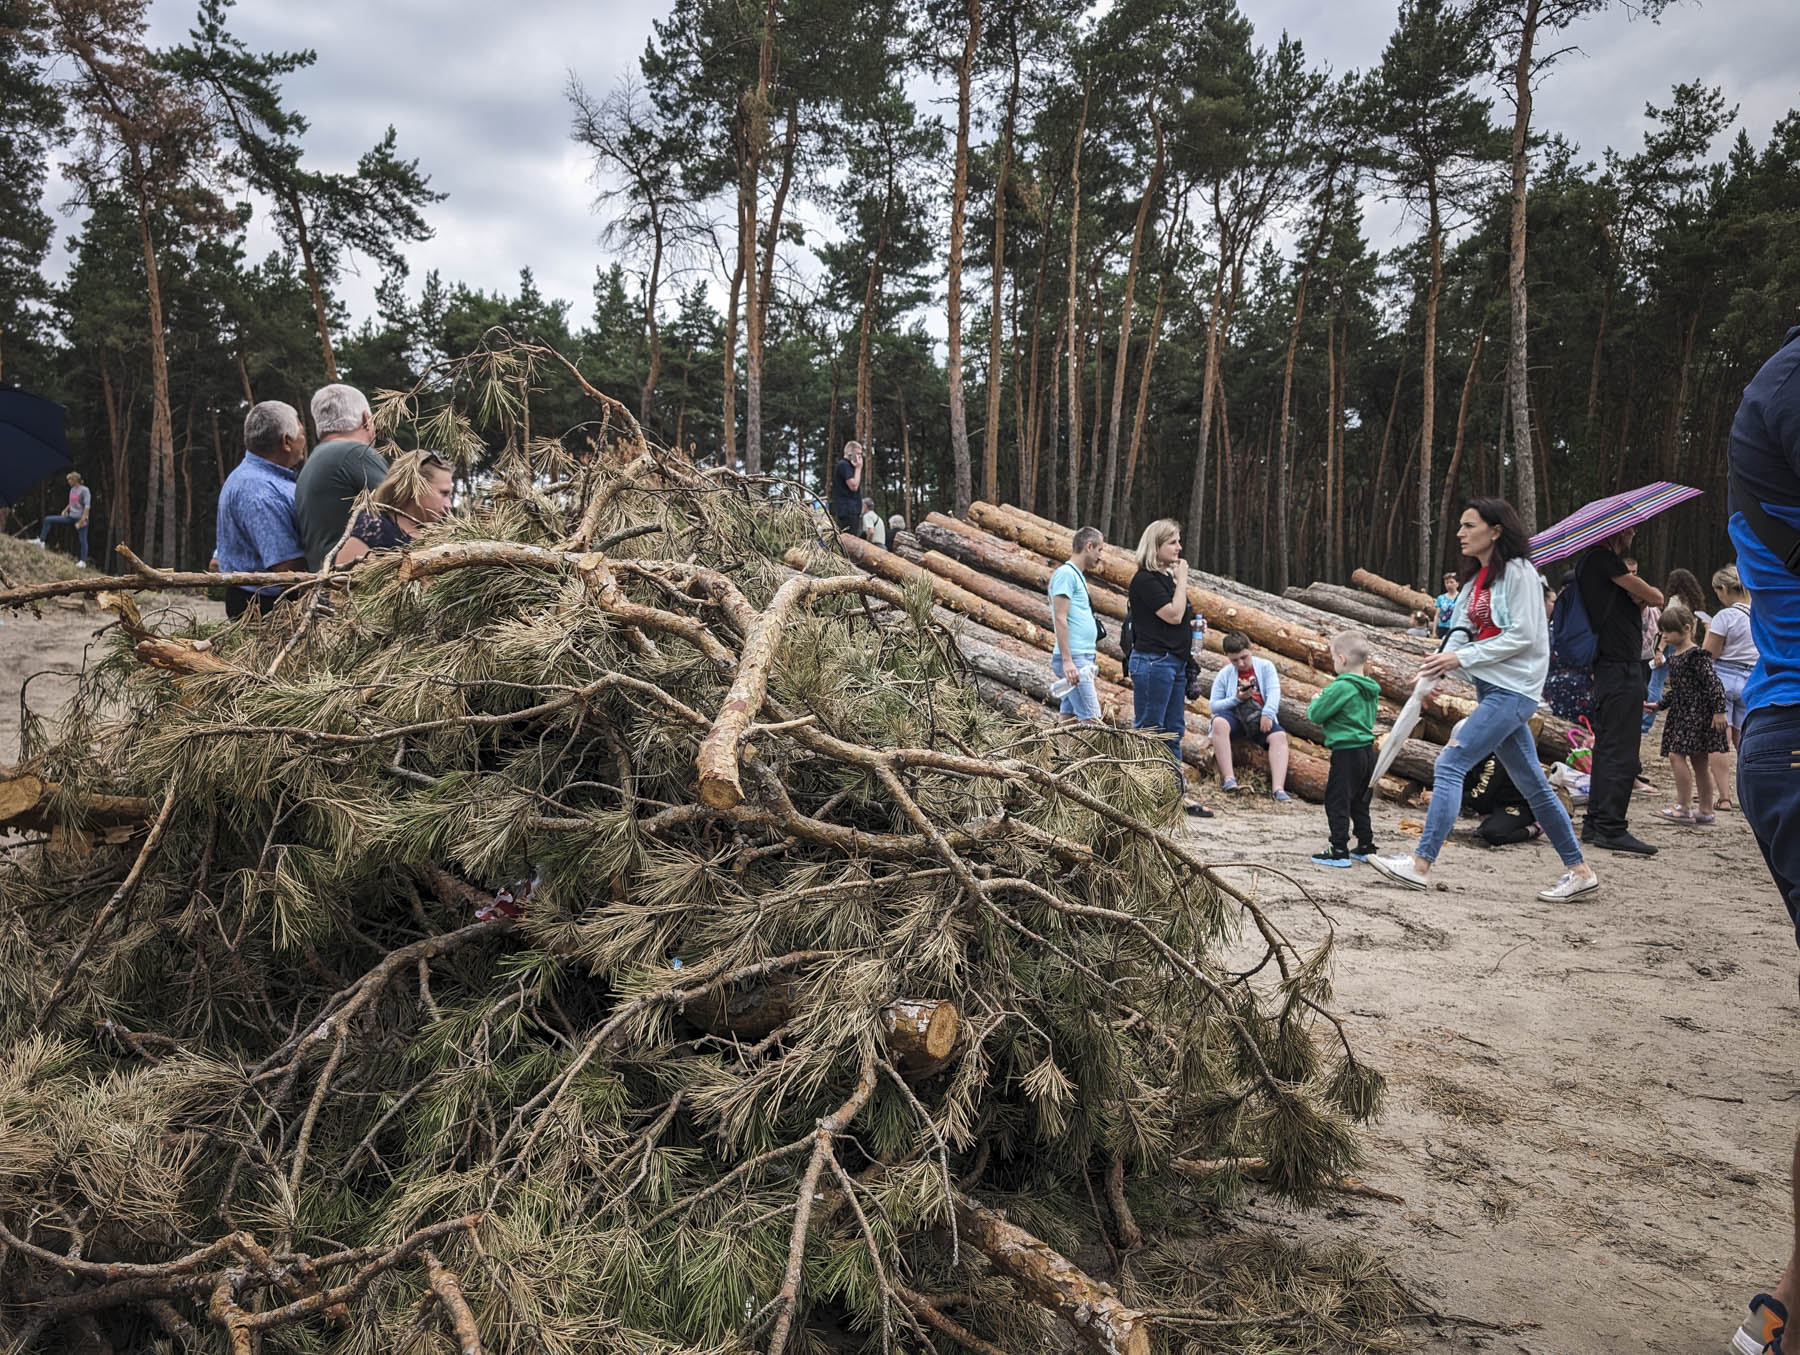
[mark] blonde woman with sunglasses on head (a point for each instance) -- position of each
(416, 492)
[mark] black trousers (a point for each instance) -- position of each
(241, 600)
(1347, 792)
(1618, 720)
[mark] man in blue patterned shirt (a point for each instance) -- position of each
(257, 529)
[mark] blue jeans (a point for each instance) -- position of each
(1769, 794)
(1084, 702)
(1159, 699)
(1659, 678)
(59, 520)
(1498, 726)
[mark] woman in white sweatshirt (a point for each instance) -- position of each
(1500, 637)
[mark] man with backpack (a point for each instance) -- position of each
(1612, 598)
(1765, 528)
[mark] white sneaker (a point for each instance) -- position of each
(1400, 870)
(1569, 887)
(39, 543)
(81, 564)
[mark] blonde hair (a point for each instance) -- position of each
(1153, 540)
(1725, 580)
(406, 481)
(1350, 647)
(1676, 619)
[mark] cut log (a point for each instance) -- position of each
(921, 1033)
(748, 1012)
(1398, 593)
(885, 563)
(1091, 1308)
(1360, 608)
(28, 803)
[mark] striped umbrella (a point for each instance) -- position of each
(1604, 517)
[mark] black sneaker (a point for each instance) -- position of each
(1625, 842)
(1328, 857)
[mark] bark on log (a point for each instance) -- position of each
(748, 1012)
(885, 563)
(922, 1033)
(27, 802)
(1352, 608)
(1091, 1308)
(1410, 598)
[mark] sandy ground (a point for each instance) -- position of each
(43, 654)
(1590, 1110)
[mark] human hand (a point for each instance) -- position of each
(1267, 724)
(1719, 720)
(1436, 665)
(1650, 706)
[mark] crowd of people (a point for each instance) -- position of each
(283, 508)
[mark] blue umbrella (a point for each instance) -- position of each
(32, 445)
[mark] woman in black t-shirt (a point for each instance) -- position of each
(1160, 637)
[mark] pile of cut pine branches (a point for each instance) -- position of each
(582, 932)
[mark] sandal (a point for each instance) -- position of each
(1703, 820)
(1724, 806)
(1675, 814)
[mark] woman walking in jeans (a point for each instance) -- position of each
(1160, 637)
(1504, 645)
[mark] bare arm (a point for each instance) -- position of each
(1059, 608)
(1641, 591)
(1714, 643)
(1176, 607)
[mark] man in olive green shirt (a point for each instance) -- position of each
(342, 466)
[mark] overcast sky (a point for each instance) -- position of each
(476, 92)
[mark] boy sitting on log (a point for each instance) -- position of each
(1246, 701)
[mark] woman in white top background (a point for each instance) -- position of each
(1734, 656)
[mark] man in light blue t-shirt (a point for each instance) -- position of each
(1077, 633)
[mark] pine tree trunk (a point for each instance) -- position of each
(314, 287)
(1515, 264)
(1030, 440)
(1329, 568)
(1282, 492)
(1462, 422)
(160, 493)
(1428, 397)
(754, 141)
(1105, 519)
(1143, 408)
(865, 333)
(1196, 523)
(1343, 381)
(652, 331)
(906, 478)
(1074, 344)
(728, 399)
(996, 326)
(1378, 486)
(964, 491)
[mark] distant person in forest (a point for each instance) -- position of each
(873, 528)
(1446, 604)
(1162, 635)
(1611, 595)
(846, 490)
(1501, 638)
(1246, 704)
(81, 503)
(1076, 630)
(342, 466)
(1765, 528)
(256, 528)
(414, 494)
(1345, 711)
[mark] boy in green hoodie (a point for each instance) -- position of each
(1346, 712)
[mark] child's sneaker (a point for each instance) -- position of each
(1762, 1330)
(1339, 860)
(1281, 797)
(1361, 855)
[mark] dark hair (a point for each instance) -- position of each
(1236, 642)
(1682, 584)
(1513, 544)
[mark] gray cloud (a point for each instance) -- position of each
(475, 92)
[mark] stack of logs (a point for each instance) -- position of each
(991, 573)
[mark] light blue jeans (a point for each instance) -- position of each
(1497, 726)
(1084, 702)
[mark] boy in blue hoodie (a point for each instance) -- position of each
(1345, 710)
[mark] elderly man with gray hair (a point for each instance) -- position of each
(257, 529)
(342, 466)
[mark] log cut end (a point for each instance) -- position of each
(922, 1034)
